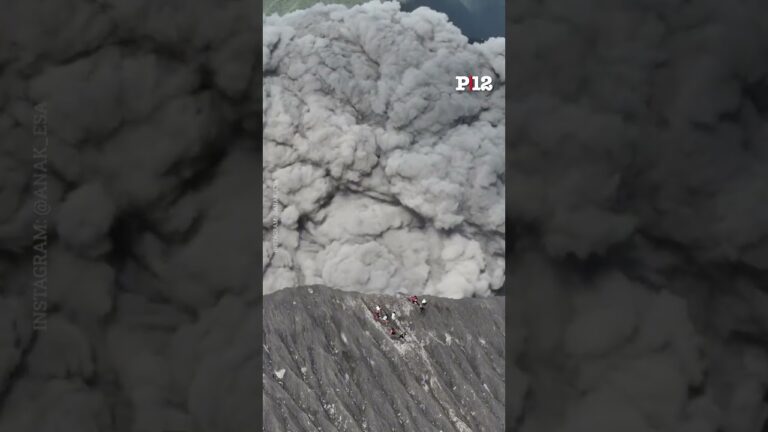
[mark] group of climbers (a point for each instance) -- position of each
(381, 316)
(386, 320)
(415, 300)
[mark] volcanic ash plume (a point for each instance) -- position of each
(378, 175)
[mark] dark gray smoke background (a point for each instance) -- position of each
(636, 201)
(636, 198)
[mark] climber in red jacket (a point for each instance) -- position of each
(415, 300)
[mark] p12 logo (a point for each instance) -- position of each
(478, 83)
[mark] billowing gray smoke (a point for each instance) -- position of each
(378, 175)
(638, 183)
(130, 122)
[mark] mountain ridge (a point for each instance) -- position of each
(328, 365)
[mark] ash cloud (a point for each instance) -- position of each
(149, 168)
(636, 183)
(387, 179)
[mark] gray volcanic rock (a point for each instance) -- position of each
(329, 366)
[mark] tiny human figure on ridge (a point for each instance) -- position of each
(415, 300)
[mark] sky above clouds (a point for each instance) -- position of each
(477, 19)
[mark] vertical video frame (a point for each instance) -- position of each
(383, 216)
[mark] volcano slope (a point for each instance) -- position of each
(328, 366)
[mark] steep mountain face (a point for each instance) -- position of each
(328, 365)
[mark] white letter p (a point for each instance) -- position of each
(461, 83)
